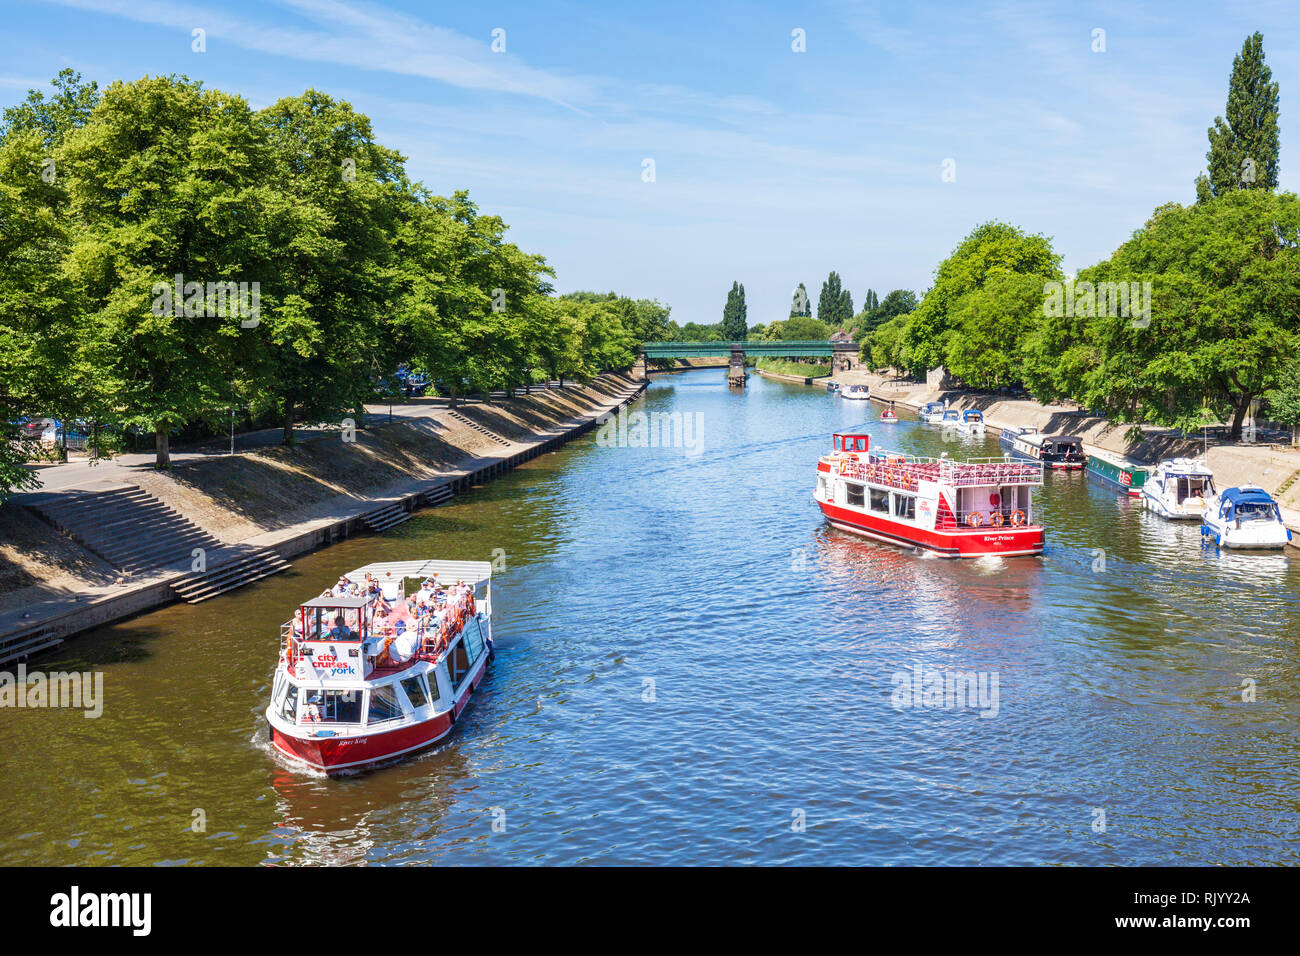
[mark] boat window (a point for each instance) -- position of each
(905, 507)
(880, 501)
(434, 693)
(290, 709)
(854, 493)
(414, 687)
(457, 664)
(473, 640)
(333, 706)
(383, 704)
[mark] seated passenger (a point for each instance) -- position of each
(340, 631)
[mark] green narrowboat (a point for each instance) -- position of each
(1116, 470)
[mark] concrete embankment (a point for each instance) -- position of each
(70, 561)
(1275, 468)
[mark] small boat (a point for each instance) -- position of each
(932, 412)
(972, 421)
(1178, 489)
(1244, 517)
(856, 392)
(951, 421)
(1119, 471)
(363, 678)
(889, 416)
(1058, 452)
(832, 388)
(954, 509)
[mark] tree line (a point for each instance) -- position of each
(1194, 319)
(167, 253)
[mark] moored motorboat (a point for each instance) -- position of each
(972, 421)
(856, 392)
(367, 675)
(1244, 517)
(932, 412)
(1119, 471)
(1058, 452)
(955, 509)
(1178, 489)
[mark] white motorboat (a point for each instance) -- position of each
(1179, 489)
(1244, 517)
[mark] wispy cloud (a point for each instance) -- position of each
(364, 36)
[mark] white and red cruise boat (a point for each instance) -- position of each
(956, 509)
(369, 673)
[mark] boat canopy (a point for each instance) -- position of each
(973, 415)
(471, 572)
(1247, 501)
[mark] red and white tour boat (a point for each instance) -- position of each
(367, 673)
(956, 509)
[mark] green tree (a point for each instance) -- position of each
(992, 248)
(735, 315)
(835, 304)
(165, 178)
(1223, 321)
(1244, 149)
(325, 267)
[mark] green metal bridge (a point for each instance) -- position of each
(803, 348)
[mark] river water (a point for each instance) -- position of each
(692, 668)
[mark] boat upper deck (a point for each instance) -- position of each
(906, 472)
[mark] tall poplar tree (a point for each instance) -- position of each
(830, 302)
(735, 315)
(1244, 148)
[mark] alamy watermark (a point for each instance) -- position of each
(212, 300)
(75, 690)
(1129, 300)
(656, 430)
(946, 690)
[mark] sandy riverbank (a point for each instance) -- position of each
(289, 499)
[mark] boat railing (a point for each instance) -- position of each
(1003, 520)
(907, 472)
(435, 635)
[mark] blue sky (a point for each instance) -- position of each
(771, 167)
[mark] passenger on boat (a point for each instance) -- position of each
(340, 631)
(391, 588)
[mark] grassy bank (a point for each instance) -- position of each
(789, 367)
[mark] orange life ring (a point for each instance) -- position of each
(996, 519)
(1017, 518)
(975, 519)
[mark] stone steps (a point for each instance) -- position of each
(18, 645)
(228, 577)
(387, 517)
(129, 528)
(466, 420)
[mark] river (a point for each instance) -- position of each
(693, 668)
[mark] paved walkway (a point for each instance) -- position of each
(80, 473)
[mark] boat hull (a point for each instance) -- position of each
(1128, 478)
(955, 543)
(1271, 537)
(352, 754)
(1159, 507)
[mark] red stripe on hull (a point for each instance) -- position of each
(976, 543)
